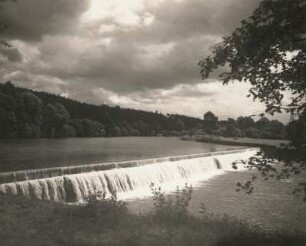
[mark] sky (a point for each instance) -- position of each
(140, 54)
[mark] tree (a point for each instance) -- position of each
(297, 130)
(8, 122)
(179, 125)
(232, 122)
(56, 121)
(245, 122)
(210, 122)
(48, 129)
(29, 115)
(252, 132)
(262, 123)
(92, 128)
(268, 51)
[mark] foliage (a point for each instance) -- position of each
(27, 222)
(268, 51)
(23, 114)
(26, 113)
(244, 127)
(8, 122)
(297, 131)
(284, 163)
(29, 114)
(108, 209)
(210, 122)
(63, 117)
(277, 65)
(168, 210)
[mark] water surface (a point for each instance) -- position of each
(23, 154)
(272, 206)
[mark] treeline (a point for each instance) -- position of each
(244, 127)
(30, 114)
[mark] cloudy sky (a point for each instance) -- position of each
(133, 53)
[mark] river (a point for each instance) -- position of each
(272, 205)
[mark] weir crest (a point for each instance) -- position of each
(72, 184)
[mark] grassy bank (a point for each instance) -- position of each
(107, 222)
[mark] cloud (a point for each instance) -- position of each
(186, 99)
(11, 54)
(135, 53)
(31, 19)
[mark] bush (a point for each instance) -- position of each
(171, 211)
(109, 210)
(252, 132)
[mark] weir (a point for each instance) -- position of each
(73, 183)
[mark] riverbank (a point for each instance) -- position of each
(249, 142)
(107, 222)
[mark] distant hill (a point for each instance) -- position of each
(27, 113)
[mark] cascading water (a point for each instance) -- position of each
(127, 179)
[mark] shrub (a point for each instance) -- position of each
(168, 210)
(106, 209)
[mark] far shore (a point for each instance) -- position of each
(252, 142)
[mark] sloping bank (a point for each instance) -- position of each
(39, 223)
(34, 222)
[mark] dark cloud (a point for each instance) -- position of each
(31, 19)
(12, 54)
(176, 20)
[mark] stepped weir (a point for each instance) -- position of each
(73, 183)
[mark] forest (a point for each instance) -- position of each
(32, 114)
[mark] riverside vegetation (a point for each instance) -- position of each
(106, 221)
(31, 114)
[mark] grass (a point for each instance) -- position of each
(106, 221)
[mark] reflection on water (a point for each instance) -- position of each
(21, 154)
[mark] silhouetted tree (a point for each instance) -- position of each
(179, 125)
(245, 122)
(8, 122)
(268, 51)
(29, 115)
(48, 129)
(210, 122)
(297, 130)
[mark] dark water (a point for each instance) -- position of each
(22, 154)
(272, 206)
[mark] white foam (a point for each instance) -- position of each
(129, 182)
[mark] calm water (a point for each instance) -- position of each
(21, 154)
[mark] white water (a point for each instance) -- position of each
(128, 182)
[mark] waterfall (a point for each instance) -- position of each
(125, 178)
